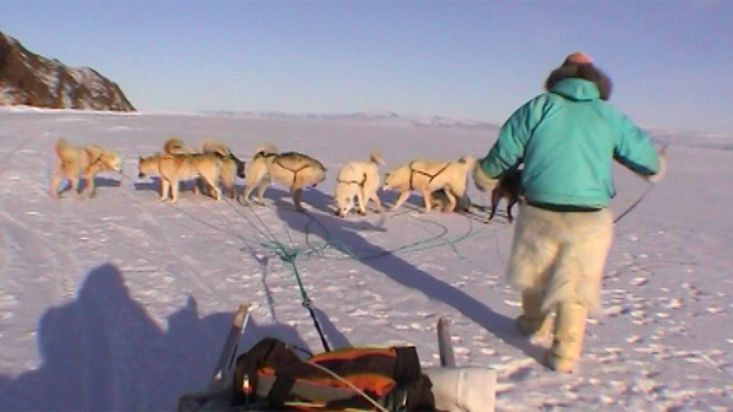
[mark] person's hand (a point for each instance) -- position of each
(482, 180)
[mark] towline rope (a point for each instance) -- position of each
(651, 185)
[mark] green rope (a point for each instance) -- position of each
(289, 255)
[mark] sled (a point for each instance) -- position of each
(455, 389)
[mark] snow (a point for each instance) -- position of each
(123, 303)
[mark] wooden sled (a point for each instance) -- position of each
(456, 389)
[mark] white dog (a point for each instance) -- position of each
(360, 180)
(427, 177)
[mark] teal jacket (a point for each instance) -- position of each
(566, 139)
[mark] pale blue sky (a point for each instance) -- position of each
(671, 61)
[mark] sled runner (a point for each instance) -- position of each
(270, 376)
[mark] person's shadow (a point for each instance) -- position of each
(103, 352)
(346, 233)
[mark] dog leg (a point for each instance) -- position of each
(451, 201)
(244, 197)
(495, 198)
(511, 203)
(361, 202)
(377, 203)
(53, 189)
(400, 200)
(197, 186)
(209, 182)
(164, 189)
(230, 187)
(428, 199)
(90, 187)
(260, 199)
(74, 183)
(296, 199)
(175, 190)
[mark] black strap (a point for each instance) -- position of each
(407, 364)
(562, 208)
(280, 390)
(424, 173)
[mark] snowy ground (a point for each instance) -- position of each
(122, 303)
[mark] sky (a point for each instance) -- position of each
(671, 61)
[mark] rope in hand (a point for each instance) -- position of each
(649, 188)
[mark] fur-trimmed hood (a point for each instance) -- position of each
(580, 71)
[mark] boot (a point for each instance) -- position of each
(533, 322)
(568, 340)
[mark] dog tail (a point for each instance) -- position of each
(376, 158)
(175, 145)
(265, 149)
(64, 150)
(215, 147)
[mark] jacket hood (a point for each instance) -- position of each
(587, 72)
(576, 89)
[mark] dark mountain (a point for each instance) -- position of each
(29, 79)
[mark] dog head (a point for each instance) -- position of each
(241, 165)
(147, 165)
(343, 198)
(397, 179)
(112, 161)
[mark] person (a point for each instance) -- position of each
(564, 140)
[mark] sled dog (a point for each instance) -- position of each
(361, 180)
(428, 176)
(508, 186)
(231, 165)
(81, 162)
(174, 168)
(291, 169)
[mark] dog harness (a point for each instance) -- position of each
(353, 182)
(93, 162)
(293, 171)
(424, 173)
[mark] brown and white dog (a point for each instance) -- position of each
(291, 169)
(173, 168)
(81, 163)
(427, 177)
(358, 179)
(231, 167)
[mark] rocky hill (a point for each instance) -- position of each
(29, 79)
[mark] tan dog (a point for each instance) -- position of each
(428, 176)
(231, 166)
(360, 180)
(81, 162)
(176, 146)
(291, 169)
(174, 168)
